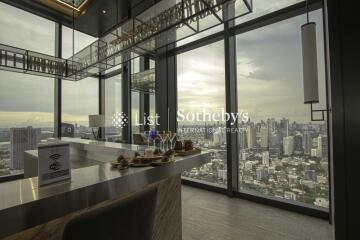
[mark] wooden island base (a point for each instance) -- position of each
(167, 224)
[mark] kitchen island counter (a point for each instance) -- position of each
(24, 205)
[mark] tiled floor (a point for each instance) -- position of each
(212, 216)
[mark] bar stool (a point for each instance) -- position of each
(131, 218)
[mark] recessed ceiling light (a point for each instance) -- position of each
(103, 11)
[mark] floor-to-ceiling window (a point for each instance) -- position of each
(26, 101)
(282, 153)
(81, 98)
(135, 112)
(113, 108)
(201, 94)
(135, 99)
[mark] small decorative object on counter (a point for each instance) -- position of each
(165, 159)
(188, 145)
(137, 154)
(120, 158)
(123, 164)
(169, 153)
(148, 153)
(157, 151)
(120, 163)
(178, 146)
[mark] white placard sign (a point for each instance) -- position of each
(54, 163)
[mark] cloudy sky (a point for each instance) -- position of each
(268, 59)
(269, 73)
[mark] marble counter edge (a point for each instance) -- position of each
(63, 198)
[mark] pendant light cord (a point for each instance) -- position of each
(117, 17)
(307, 11)
(73, 31)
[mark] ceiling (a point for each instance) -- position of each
(99, 16)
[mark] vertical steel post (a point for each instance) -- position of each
(57, 83)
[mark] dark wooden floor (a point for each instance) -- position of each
(212, 216)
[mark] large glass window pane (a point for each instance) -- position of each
(26, 101)
(282, 153)
(201, 89)
(79, 100)
(81, 40)
(25, 30)
(113, 107)
(135, 112)
(152, 108)
(135, 99)
(263, 7)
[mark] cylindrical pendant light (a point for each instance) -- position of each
(310, 68)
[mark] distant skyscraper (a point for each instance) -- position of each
(251, 136)
(264, 137)
(290, 195)
(22, 139)
(322, 146)
(298, 147)
(219, 136)
(314, 152)
(266, 158)
(307, 142)
(272, 125)
(222, 174)
(288, 145)
(310, 175)
(242, 139)
(274, 139)
(261, 173)
(243, 155)
(207, 133)
(284, 126)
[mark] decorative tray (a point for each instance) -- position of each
(183, 153)
(160, 162)
(116, 163)
(141, 164)
(141, 161)
(148, 159)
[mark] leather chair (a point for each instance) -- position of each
(131, 218)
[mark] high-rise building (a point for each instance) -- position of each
(261, 173)
(298, 147)
(242, 139)
(288, 145)
(314, 152)
(290, 195)
(322, 148)
(22, 139)
(310, 175)
(284, 126)
(307, 142)
(219, 136)
(274, 139)
(264, 137)
(243, 155)
(208, 132)
(272, 125)
(251, 136)
(266, 158)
